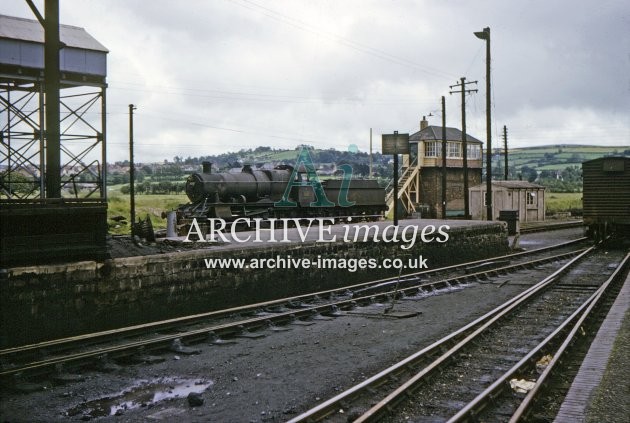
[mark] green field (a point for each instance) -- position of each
(557, 166)
(558, 157)
(152, 205)
(562, 202)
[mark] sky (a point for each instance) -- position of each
(216, 76)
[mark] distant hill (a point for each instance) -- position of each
(557, 157)
(550, 157)
(267, 155)
(558, 167)
(325, 161)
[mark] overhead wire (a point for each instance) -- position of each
(301, 25)
(256, 97)
(162, 117)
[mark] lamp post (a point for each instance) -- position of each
(485, 35)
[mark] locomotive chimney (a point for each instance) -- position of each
(424, 123)
(206, 167)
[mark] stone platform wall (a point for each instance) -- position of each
(46, 302)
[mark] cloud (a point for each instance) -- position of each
(211, 77)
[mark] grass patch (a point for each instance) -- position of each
(563, 202)
(558, 166)
(152, 205)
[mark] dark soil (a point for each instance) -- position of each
(123, 246)
(273, 378)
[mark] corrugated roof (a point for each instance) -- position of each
(30, 30)
(434, 133)
(513, 185)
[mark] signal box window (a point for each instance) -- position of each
(432, 149)
(454, 149)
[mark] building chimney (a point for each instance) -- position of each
(206, 167)
(424, 123)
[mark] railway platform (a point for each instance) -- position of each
(42, 302)
(547, 225)
(600, 391)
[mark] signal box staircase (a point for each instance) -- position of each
(408, 189)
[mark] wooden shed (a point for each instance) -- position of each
(525, 197)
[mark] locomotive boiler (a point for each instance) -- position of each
(247, 186)
(257, 193)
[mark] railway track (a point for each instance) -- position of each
(562, 345)
(174, 334)
(467, 375)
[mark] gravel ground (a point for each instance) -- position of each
(275, 377)
(272, 378)
(123, 246)
(611, 402)
(543, 239)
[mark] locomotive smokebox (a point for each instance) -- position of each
(206, 167)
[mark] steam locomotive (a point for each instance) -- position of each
(257, 193)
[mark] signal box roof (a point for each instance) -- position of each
(434, 133)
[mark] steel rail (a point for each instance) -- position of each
(330, 406)
(258, 322)
(532, 395)
(376, 411)
(102, 336)
(470, 410)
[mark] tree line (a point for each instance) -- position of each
(162, 187)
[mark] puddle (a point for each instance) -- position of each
(532, 242)
(141, 395)
(440, 291)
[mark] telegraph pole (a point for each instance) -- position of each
(371, 153)
(505, 171)
(443, 157)
(464, 91)
(132, 174)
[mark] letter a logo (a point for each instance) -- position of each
(342, 199)
(304, 159)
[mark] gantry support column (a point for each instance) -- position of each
(51, 80)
